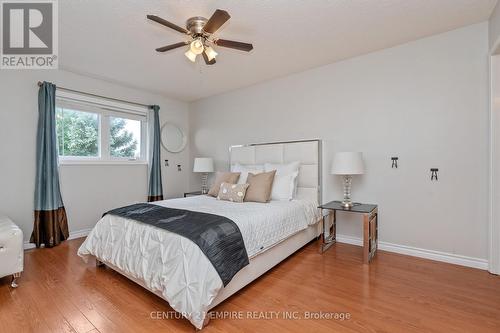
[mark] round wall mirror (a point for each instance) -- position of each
(173, 138)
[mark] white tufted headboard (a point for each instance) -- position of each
(307, 152)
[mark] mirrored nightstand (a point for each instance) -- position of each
(370, 226)
(192, 194)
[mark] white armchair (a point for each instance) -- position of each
(11, 250)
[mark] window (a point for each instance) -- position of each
(77, 133)
(90, 132)
(124, 137)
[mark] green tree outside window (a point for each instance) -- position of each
(78, 135)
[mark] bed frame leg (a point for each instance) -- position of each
(99, 263)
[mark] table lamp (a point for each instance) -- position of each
(347, 164)
(203, 165)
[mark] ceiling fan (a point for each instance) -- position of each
(202, 40)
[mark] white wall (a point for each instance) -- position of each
(88, 190)
(425, 101)
(494, 26)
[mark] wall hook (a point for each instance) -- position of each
(434, 173)
(179, 167)
(166, 163)
(394, 162)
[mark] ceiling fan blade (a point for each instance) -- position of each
(234, 45)
(171, 47)
(167, 24)
(208, 62)
(216, 21)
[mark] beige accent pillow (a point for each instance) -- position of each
(223, 177)
(260, 186)
(232, 192)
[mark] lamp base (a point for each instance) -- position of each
(347, 204)
(204, 183)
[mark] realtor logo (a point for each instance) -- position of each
(29, 34)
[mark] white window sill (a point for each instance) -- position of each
(100, 162)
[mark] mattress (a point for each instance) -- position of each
(175, 267)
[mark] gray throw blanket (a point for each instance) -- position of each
(218, 237)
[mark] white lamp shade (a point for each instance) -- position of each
(197, 46)
(211, 54)
(190, 55)
(348, 163)
(203, 164)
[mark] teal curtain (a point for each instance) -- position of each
(155, 191)
(50, 220)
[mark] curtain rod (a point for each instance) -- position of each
(99, 96)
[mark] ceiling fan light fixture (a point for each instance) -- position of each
(190, 55)
(211, 54)
(197, 46)
(200, 32)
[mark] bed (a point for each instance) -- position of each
(175, 269)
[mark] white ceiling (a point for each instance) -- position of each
(113, 40)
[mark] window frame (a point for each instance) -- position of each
(105, 110)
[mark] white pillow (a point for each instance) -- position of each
(283, 187)
(285, 180)
(245, 169)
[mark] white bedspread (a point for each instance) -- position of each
(175, 267)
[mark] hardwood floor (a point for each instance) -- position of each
(60, 293)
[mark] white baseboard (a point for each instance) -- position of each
(421, 253)
(72, 235)
(390, 247)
